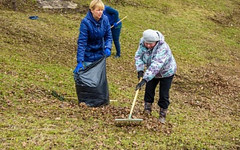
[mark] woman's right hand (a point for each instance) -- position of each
(78, 67)
(140, 74)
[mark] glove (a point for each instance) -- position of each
(139, 85)
(115, 24)
(107, 52)
(78, 67)
(140, 74)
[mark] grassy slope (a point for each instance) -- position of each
(38, 56)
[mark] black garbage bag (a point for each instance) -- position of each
(91, 84)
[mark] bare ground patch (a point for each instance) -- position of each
(223, 19)
(211, 88)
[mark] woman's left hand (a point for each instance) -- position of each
(107, 52)
(141, 84)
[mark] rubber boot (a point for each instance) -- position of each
(147, 108)
(162, 115)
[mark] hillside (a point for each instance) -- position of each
(38, 58)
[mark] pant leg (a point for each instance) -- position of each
(116, 34)
(164, 88)
(150, 90)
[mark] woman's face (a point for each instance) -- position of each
(149, 45)
(97, 13)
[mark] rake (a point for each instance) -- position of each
(130, 119)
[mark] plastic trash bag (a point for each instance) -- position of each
(91, 84)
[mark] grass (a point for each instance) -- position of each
(38, 57)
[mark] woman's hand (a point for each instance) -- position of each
(78, 67)
(107, 52)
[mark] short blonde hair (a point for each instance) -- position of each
(96, 4)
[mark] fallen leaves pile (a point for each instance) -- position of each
(109, 113)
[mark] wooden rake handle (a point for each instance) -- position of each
(134, 101)
(119, 21)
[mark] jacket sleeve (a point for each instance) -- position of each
(158, 60)
(82, 41)
(114, 13)
(138, 59)
(108, 35)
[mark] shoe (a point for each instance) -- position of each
(116, 56)
(147, 108)
(162, 115)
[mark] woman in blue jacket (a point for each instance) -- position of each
(113, 17)
(95, 37)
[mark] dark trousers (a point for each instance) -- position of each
(164, 87)
(115, 35)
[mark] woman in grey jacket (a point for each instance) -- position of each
(154, 53)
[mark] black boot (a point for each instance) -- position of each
(162, 115)
(147, 108)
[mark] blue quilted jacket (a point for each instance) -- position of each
(112, 14)
(94, 37)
